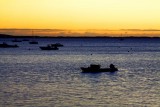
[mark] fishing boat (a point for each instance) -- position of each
(15, 40)
(25, 40)
(33, 42)
(48, 47)
(97, 68)
(57, 45)
(5, 45)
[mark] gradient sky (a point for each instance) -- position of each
(80, 14)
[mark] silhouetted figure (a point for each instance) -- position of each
(112, 66)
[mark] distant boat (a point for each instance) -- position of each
(5, 45)
(48, 47)
(33, 42)
(25, 40)
(57, 45)
(15, 40)
(96, 69)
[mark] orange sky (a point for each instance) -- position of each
(75, 15)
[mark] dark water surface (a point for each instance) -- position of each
(30, 77)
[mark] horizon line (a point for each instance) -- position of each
(81, 32)
(58, 29)
(10, 36)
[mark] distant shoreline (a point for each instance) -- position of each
(14, 36)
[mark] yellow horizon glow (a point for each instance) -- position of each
(80, 14)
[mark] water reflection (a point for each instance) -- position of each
(36, 78)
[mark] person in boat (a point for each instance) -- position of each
(112, 66)
(49, 45)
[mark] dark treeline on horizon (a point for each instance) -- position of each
(14, 36)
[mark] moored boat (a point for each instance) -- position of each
(5, 45)
(25, 40)
(15, 40)
(96, 68)
(33, 42)
(57, 45)
(48, 47)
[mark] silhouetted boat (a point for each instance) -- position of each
(33, 42)
(96, 68)
(48, 47)
(15, 40)
(5, 45)
(25, 40)
(57, 45)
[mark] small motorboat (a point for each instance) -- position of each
(57, 45)
(5, 45)
(33, 42)
(48, 47)
(96, 68)
(25, 40)
(15, 40)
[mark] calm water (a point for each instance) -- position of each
(30, 77)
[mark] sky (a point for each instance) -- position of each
(82, 16)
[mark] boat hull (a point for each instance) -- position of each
(33, 42)
(90, 70)
(8, 46)
(48, 48)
